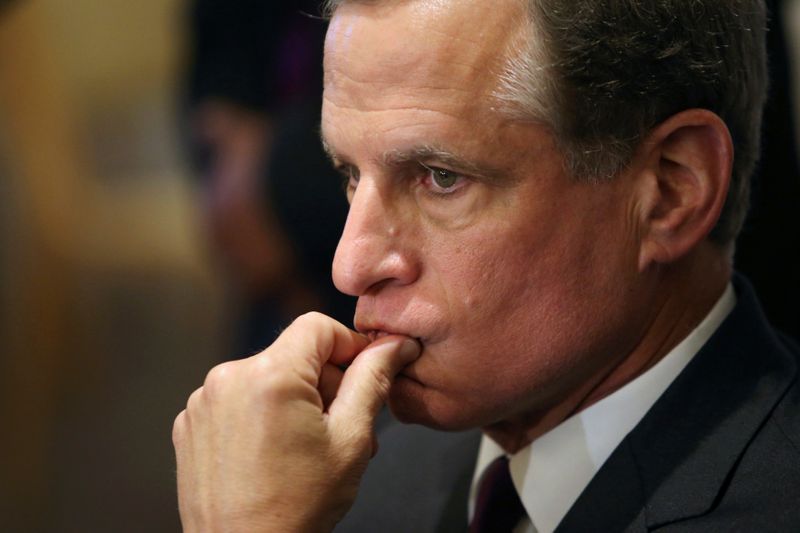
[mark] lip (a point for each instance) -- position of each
(375, 334)
(375, 329)
(397, 314)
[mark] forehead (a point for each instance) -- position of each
(445, 48)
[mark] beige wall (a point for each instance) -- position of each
(109, 312)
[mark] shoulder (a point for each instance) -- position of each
(762, 487)
(718, 451)
(762, 491)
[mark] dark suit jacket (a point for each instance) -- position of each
(719, 451)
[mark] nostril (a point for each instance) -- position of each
(371, 252)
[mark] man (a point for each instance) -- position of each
(544, 201)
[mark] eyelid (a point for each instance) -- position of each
(435, 169)
(462, 180)
(347, 170)
(348, 173)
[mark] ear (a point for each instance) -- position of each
(682, 184)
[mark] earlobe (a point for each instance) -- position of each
(690, 156)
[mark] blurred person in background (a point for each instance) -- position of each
(274, 207)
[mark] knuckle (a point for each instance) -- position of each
(312, 317)
(310, 326)
(308, 320)
(194, 402)
(310, 336)
(275, 384)
(218, 377)
(265, 368)
(179, 428)
(273, 380)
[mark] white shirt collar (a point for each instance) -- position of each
(551, 472)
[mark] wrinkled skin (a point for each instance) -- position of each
(494, 290)
(507, 274)
(279, 441)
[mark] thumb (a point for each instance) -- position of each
(366, 383)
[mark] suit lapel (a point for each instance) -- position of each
(673, 465)
(613, 501)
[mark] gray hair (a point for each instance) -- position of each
(603, 73)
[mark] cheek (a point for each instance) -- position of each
(525, 294)
(489, 291)
(472, 275)
(526, 302)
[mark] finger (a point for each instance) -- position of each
(314, 339)
(366, 384)
(179, 429)
(329, 382)
(182, 442)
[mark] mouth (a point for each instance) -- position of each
(407, 373)
(376, 334)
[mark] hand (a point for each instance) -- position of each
(279, 441)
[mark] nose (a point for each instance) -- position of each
(372, 252)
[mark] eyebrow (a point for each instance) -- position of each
(332, 155)
(427, 152)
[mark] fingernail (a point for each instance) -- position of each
(410, 349)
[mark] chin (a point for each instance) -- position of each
(411, 402)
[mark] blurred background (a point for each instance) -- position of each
(164, 206)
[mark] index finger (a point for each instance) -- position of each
(314, 339)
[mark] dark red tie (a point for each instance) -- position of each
(498, 508)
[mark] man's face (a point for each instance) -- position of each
(464, 230)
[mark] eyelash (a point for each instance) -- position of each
(350, 178)
(349, 174)
(460, 180)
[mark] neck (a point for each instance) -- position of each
(683, 296)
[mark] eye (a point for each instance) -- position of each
(442, 181)
(350, 177)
